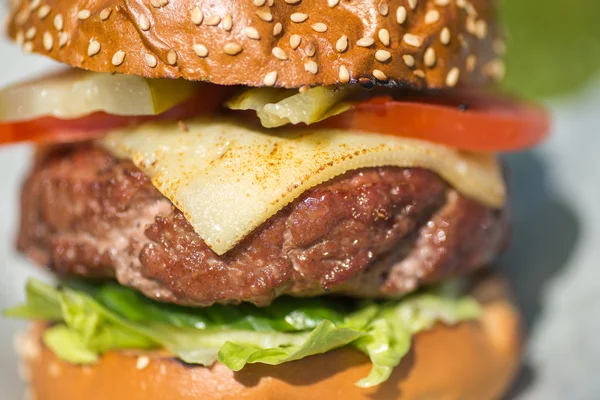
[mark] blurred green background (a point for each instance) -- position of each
(553, 45)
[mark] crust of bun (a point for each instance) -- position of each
(469, 361)
(284, 43)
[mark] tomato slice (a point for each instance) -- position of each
(54, 130)
(462, 120)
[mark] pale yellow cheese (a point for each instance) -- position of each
(228, 179)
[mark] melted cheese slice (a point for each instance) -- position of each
(228, 179)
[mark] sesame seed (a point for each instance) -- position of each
(172, 57)
(200, 50)
(442, 3)
(270, 78)
(142, 362)
(298, 17)
(63, 38)
(151, 60)
(34, 4)
(342, 44)
(259, 3)
(311, 67)
(265, 15)
(30, 33)
(197, 16)
(344, 75)
(319, 27)
(310, 49)
(470, 25)
(47, 41)
(104, 14)
(496, 69)
(303, 89)
(379, 75)
(471, 9)
(412, 40)
(27, 47)
(470, 62)
(420, 73)
(83, 14)
(163, 369)
(159, 3)
(232, 48)
(499, 46)
(412, 4)
(252, 33)
(429, 57)
(384, 36)
(432, 16)
(295, 41)
(293, 1)
(93, 48)
(452, 77)
(213, 20)
(279, 53)
(401, 15)
(144, 23)
(118, 58)
(58, 22)
(461, 3)
(333, 3)
(22, 16)
(227, 22)
(481, 29)
(384, 9)
(277, 29)
(445, 36)
(462, 40)
(44, 11)
(365, 42)
(270, 3)
(20, 37)
(408, 60)
(382, 55)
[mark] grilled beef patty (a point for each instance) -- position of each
(373, 232)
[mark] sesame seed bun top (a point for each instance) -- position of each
(287, 43)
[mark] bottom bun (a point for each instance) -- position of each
(475, 360)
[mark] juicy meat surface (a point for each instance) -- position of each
(374, 232)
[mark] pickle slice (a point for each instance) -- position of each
(278, 107)
(75, 93)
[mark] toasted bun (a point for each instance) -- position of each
(288, 43)
(470, 361)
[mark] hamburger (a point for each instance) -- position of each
(266, 199)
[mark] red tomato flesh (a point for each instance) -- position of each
(462, 120)
(459, 119)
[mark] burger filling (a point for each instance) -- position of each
(369, 233)
(234, 224)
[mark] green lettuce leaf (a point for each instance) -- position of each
(90, 320)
